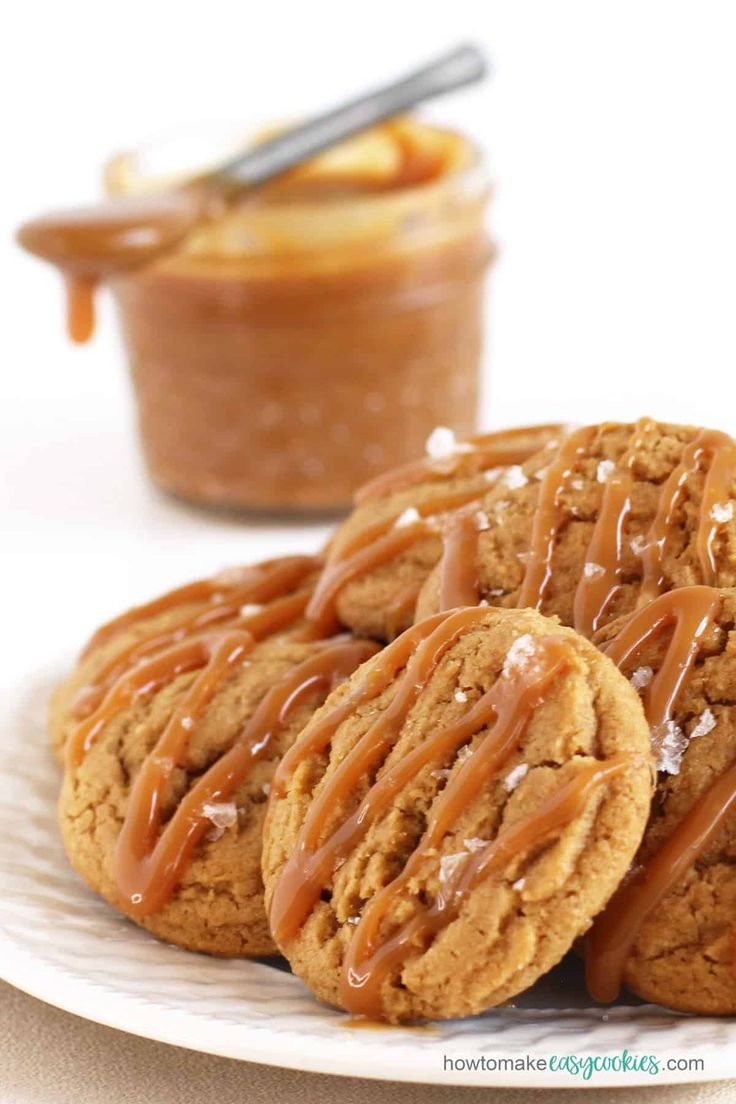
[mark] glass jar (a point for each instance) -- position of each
(316, 333)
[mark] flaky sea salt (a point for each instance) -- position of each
(638, 544)
(514, 777)
(475, 843)
(442, 444)
(464, 753)
(353, 919)
(491, 474)
(461, 696)
(577, 484)
(519, 884)
(409, 517)
(482, 521)
(222, 814)
(250, 609)
(541, 473)
(266, 788)
(641, 677)
(605, 470)
(670, 744)
(187, 723)
(593, 570)
(450, 866)
(722, 512)
(706, 724)
(519, 655)
(441, 773)
(514, 478)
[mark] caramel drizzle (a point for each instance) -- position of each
(272, 575)
(459, 563)
(149, 860)
(691, 611)
(548, 517)
(376, 545)
(477, 454)
(281, 613)
(371, 959)
(505, 710)
(720, 450)
(601, 577)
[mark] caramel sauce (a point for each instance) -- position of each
(371, 958)
(484, 452)
(376, 545)
(690, 611)
(322, 845)
(262, 581)
(604, 557)
(93, 244)
(720, 451)
(150, 860)
(548, 516)
(459, 566)
(278, 615)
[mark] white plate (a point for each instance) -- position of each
(63, 945)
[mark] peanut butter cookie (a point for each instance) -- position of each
(618, 514)
(384, 552)
(165, 791)
(268, 599)
(455, 815)
(669, 932)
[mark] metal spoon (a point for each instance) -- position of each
(455, 69)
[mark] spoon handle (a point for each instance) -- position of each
(461, 66)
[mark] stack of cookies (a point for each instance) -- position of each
(496, 715)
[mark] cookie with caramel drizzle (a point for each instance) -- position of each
(455, 815)
(380, 557)
(669, 934)
(615, 516)
(171, 749)
(268, 599)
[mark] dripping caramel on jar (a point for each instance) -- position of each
(288, 345)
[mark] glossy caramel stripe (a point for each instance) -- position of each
(371, 958)
(459, 563)
(507, 707)
(691, 610)
(143, 680)
(312, 862)
(149, 861)
(613, 935)
(374, 679)
(721, 450)
(278, 615)
(261, 580)
(604, 555)
(548, 516)
(488, 450)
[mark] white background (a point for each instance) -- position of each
(610, 128)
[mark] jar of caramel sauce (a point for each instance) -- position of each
(315, 332)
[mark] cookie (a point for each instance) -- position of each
(455, 815)
(618, 514)
(669, 933)
(164, 795)
(384, 552)
(265, 598)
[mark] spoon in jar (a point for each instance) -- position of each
(92, 244)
